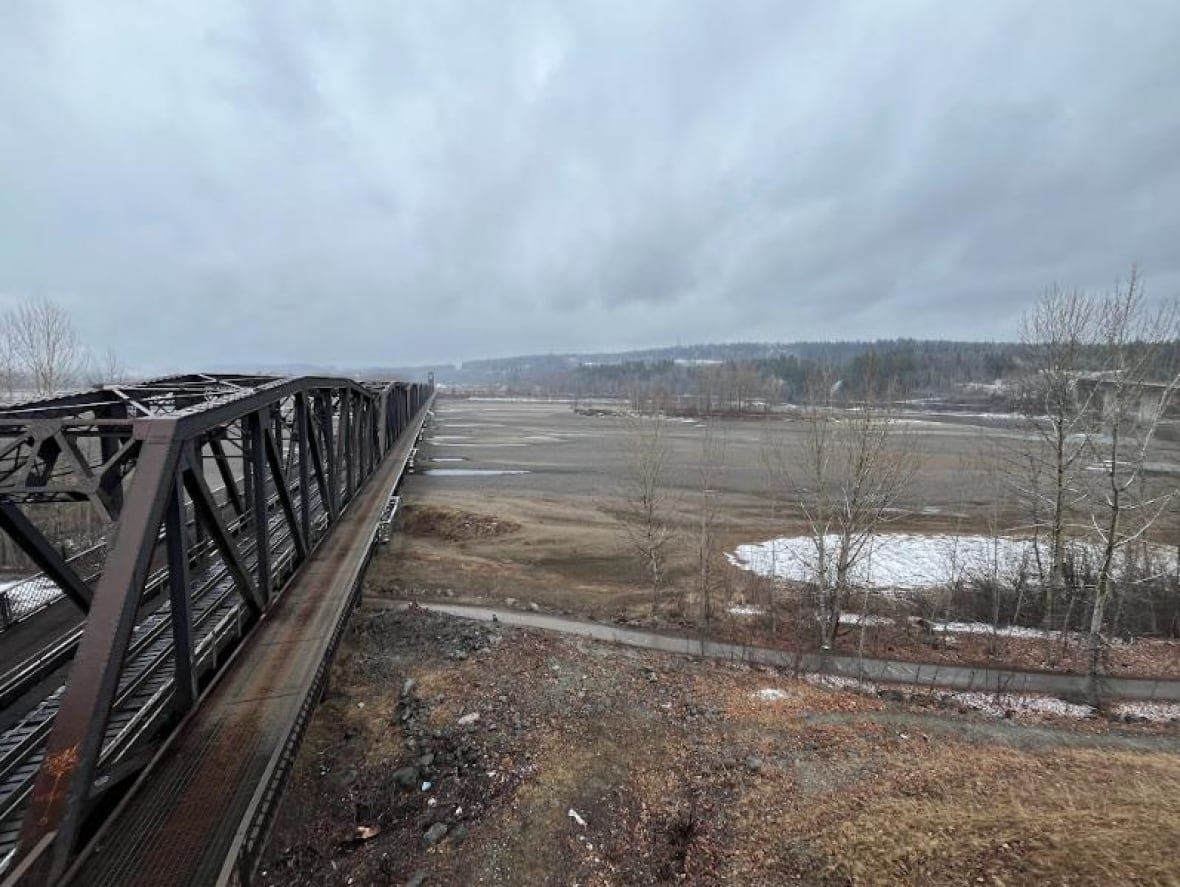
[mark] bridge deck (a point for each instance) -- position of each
(202, 799)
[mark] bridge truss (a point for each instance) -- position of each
(212, 491)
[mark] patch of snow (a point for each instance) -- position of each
(469, 719)
(897, 561)
(448, 459)
(772, 694)
(576, 817)
(471, 472)
(1007, 631)
(20, 598)
(745, 610)
(1159, 712)
(864, 619)
(999, 704)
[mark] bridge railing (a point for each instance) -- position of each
(291, 452)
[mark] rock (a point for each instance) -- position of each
(533, 606)
(753, 764)
(406, 777)
(417, 879)
(510, 602)
(892, 695)
(435, 833)
(469, 718)
(426, 760)
(459, 833)
(408, 686)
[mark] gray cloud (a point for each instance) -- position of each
(298, 181)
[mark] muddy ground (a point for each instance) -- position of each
(449, 752)
(548, 535)
(457, 753)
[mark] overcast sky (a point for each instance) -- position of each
(398, 183)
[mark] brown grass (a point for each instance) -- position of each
(453, 524)
(1006, 817)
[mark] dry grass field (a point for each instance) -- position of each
(456, 753)
(450, 752)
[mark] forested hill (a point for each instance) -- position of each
(756, 370)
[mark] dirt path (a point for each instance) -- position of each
(917, 674)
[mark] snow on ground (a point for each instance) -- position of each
(896, 561)
(999, 704)
(745, 610)
(772, 694)
(24, 596)
(472, 472)
(864, 619)
(1160, 712)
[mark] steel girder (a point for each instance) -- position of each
(289, 453)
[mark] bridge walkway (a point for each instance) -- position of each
(200, 812)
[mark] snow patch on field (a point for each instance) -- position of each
(999, 704)
(897, 561)
(904, 561)
(472, 472)
(772, 694)
(1159, 712)
(745, 610)
(864, 619)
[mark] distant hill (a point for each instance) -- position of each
(764, 370)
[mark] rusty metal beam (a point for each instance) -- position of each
(63, 783)
(276, 470)
(47, 558)
(207, 513)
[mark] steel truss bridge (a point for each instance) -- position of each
(154, 684)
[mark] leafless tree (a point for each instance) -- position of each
(1135, 391)
(105, 369)
(858, 462)
(646, 516)
(45, 345)
(711, 468)
(1060, 334)
(8, 364)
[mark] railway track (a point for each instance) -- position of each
(189, 577)
(145, 691)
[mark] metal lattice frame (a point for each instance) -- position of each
(289, 455)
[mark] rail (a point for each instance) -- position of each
(187, 574)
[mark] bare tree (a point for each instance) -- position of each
(1133, 339)
(107, 368)
(858, 462)
(8, 364)
(45, 345)
(1060, 335)
(712, 465)
(646, 517)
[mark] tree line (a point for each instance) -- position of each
(1093, 378)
